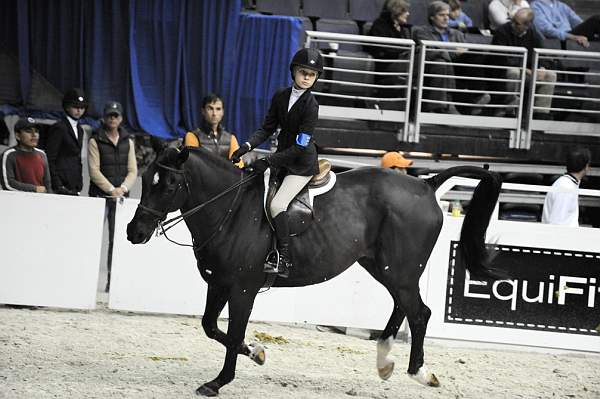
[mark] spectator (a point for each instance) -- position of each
(395, 161)
(25, 167)
(211, 133)
(63, 146)
(556, 20)
(296, 111)
(392, 22)
(458, 19)
(502, 11)
(113, 168)
(520, 33)
(561, 206)
(438, 30)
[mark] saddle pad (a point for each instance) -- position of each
(312, 192)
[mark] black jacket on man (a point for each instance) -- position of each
(302, 118)
(506, 36)
(63, 150)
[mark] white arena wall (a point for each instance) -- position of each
(51, 252)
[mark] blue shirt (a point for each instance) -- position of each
(462, 17)
(554, 19)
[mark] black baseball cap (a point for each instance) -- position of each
(26, 123)
(113, 107)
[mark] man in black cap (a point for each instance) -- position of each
(112, 165)
(63, 146)
(24, 167)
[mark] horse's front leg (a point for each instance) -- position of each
(216, 298)
(240, 307)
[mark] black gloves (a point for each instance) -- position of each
(237, 154)
(260, 165)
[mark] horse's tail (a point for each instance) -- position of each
(477, 219)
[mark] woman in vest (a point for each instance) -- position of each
(211, 134)
(295, 110)
(112, 165)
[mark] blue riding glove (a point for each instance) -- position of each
(237, 154)
(260, 165)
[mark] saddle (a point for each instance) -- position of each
(300, 211)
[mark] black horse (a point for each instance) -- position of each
(388, 223)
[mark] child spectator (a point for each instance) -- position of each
(24, 167)
(458, 19)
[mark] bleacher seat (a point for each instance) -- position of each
(418, 13)
(474, 9)
(339, 26)
(361, 10)
(475, 38)
(335, 9)
(278, 7)
(366, 28)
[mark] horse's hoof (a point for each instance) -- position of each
(423, 376)
(257, 353)
(205, 390)
(386, 372)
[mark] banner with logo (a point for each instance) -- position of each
(550, 290)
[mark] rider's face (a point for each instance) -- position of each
(304, 78)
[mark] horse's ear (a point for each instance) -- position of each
(183, 155)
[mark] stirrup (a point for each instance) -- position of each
(272, 262)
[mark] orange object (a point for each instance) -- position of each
(394, 159)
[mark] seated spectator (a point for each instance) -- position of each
(395, 161)
(502, 11)
(25, 167)
(458, 19)
(520, 33)
(112, 165)
(556, 20)
(63, 145)
(392, 22)
(211, 133)
(562, 207)
(438, 30)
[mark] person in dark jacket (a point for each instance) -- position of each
(520, 32)
(112, 165)
(63, 145)
(295, 110)
(392, 22)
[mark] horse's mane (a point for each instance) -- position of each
(211, 158)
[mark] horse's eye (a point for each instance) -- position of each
(155, 179)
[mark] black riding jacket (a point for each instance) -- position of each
(297, 159)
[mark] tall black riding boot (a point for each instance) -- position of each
(282, 231)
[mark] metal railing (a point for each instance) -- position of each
(356, 69)
(486, 53)
(580, 99)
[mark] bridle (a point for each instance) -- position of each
(165, 226)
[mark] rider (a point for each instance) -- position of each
(295, 110)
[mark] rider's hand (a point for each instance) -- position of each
(260, 165)
(237, 154)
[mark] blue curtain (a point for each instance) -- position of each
(157, 57)
(265, 46)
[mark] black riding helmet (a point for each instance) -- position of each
(74, 98)
(309, 58)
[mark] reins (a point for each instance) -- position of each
(168, 224)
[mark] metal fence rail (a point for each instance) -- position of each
(580, 94)
(350, 89)
(484, 53)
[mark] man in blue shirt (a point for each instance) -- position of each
(556, 20)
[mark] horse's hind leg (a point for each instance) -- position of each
(385, 364)
(216, 298)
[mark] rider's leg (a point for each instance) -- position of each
(290, 187)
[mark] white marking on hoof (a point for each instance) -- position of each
(385, 365)
(257, 353)
(425, 377)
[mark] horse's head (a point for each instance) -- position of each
(164, 189)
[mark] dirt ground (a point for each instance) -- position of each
(47, 353)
